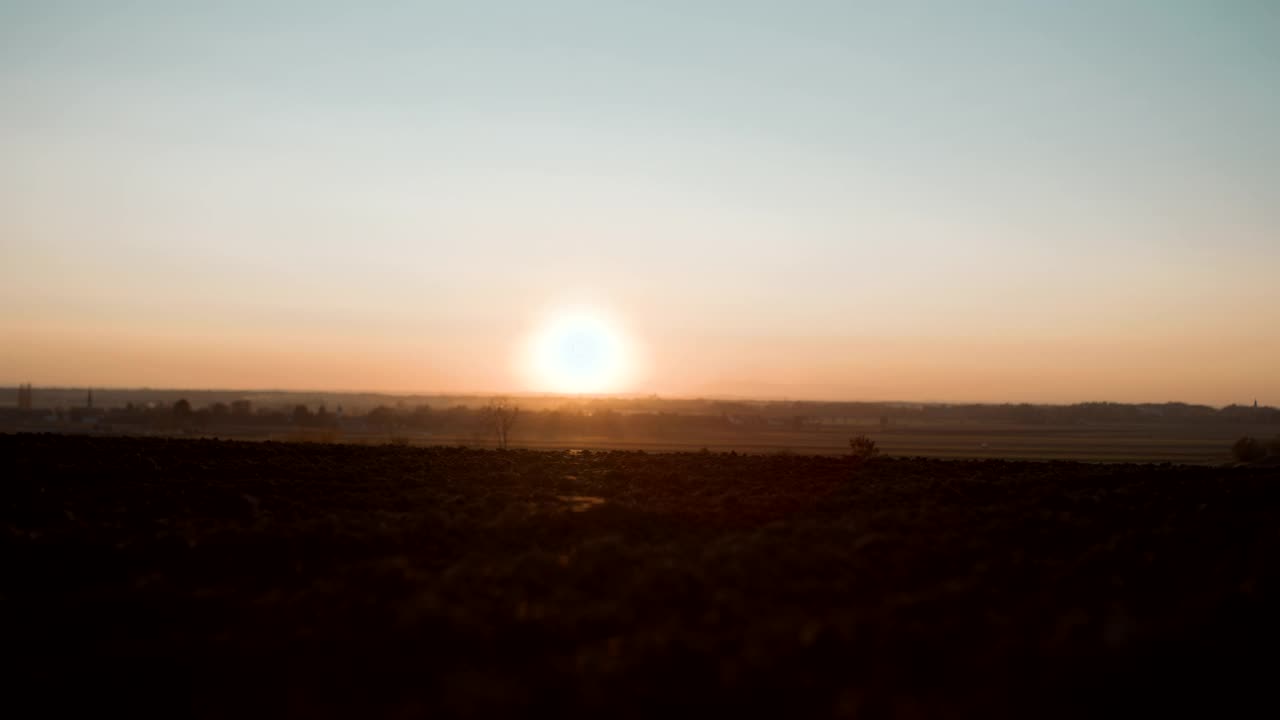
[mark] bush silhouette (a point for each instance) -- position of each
(1247, 449)
(863, 448)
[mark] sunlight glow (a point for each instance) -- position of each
(579, 351)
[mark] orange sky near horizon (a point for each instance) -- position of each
(1026, 369)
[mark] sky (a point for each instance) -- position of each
(933, 201)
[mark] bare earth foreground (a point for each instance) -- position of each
(189, 577)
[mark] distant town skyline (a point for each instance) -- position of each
(920, 201)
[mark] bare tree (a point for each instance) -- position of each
(499, 416)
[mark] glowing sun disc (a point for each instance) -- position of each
(579, 351)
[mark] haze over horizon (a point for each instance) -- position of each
(928, 201)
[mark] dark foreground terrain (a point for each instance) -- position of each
(187, 577)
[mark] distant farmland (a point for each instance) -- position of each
(1093, 432)
(1195, 444)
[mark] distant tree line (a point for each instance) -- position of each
(1100, 412)
(648, 417)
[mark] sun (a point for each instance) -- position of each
(579, 350)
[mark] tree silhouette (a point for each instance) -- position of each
(382, 418)
(499, 416)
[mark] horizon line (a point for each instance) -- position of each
(634, 395)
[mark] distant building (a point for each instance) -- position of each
(241, 408)
(24, 397)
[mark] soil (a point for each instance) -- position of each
(213, 578)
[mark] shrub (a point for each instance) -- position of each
(1247, 449)
(863, 448)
